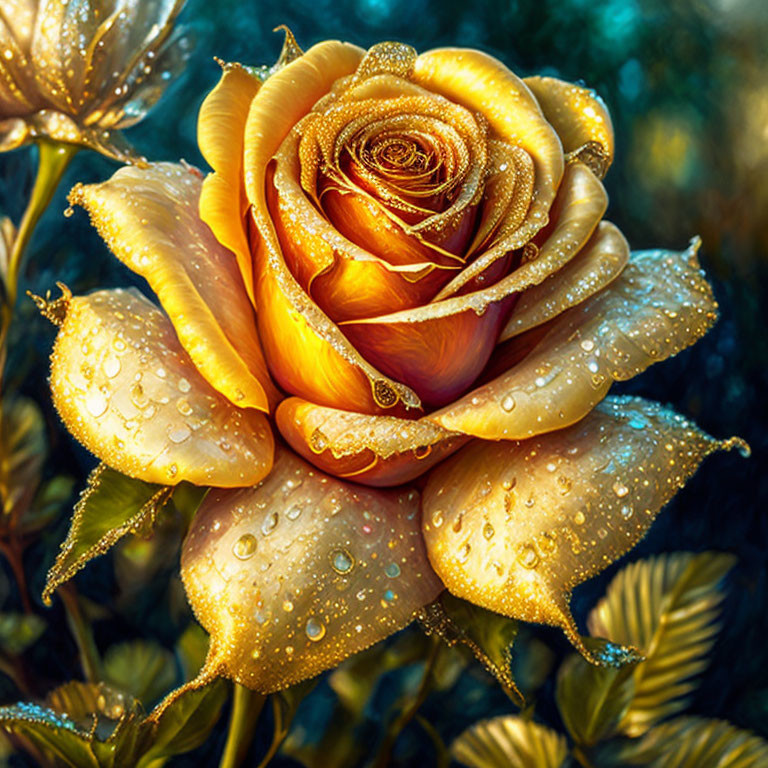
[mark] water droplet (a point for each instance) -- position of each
(437, 518)
(184, 385)
(463, 555)
(179, 434)
(626, 511)
(269, 524)
(244, 547)
(390, 596)
(508, 403)
(139, 399)
(392, 570)
(293, 512)
(183, 406)
(527, 556)
(111, 367)
(587, 345)
(620, 489)
(255, 653)
(96, 403)
(288, 606)
(315, 630)
(342, 561)
(488, 531)
(564, 484)
(579, 518)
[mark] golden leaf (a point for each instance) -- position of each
(693, 742)
(509, 742)
(668, 607)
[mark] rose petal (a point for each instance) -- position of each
(659, 305)
(295, 575)
(374, 450)
(580, 204)
(220, 135)
(515, 526)
(580, 117)
(148, 218)
(483, 84)
(598, 263)
(438, 350)
(127, 390)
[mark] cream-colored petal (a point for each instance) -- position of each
(580, 117)
(515, 526)
(483, 84)
(128, 391)
(221, 136)
(660, 304)
(580, 204)
(298, 573)
(374, 450)
(149, 219)
(598, 263)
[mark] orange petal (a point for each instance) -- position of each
(129, 393)
(297, 574)
(514, 527)
(580, 204)
(374, 450)
(308, 355)
(221, 135)
(483, 84)
(659, 305)
(149, 219)
(438, 350)
(598, 263)
(580, 118)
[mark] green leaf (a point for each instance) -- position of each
(692, 742)
(19, 630)
(23, 449)
(593, 700)
(184, 724)
(668, 607)
(47, 504)
(510, 742)
(284, 706)
(489, 636)
(143, 669)
(111, 506)
(192, 650)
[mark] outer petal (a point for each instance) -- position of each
(483, 84)
(580, 118)
(513, 527)
(374, 450)
(127, 390)
(149, 219)
(659, 305)
(300, 572)
(221, 136)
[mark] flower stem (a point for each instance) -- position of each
(53, 159)
(81, 631)
(409, 712)
(246, 708)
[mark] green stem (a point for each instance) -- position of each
(408, 713)
(246, 708)
(53, 159)
(81, 631)
(581, 758)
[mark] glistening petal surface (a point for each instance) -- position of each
(149, 219)
(298, 573)
(127, 390)
(515, 526)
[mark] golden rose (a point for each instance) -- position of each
(398, 257)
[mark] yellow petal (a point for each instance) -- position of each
(298, 573)
(374, 450)
(221, 135)
(149, 219)
(483, 84)
(580, 118)
(598, 263)
(659, 305)
(580, 204)
(515, 526)
(129, 393)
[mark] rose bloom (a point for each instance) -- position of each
(389, 318)
(78, 72)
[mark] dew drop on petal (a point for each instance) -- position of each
(342, 561)
(315, 630)
(245, 546)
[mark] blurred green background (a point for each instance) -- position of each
(687, 86)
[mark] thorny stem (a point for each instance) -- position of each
(246, 708)
(82, 633)
(409, 712)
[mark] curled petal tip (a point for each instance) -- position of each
(54, 310)
(739, 443)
